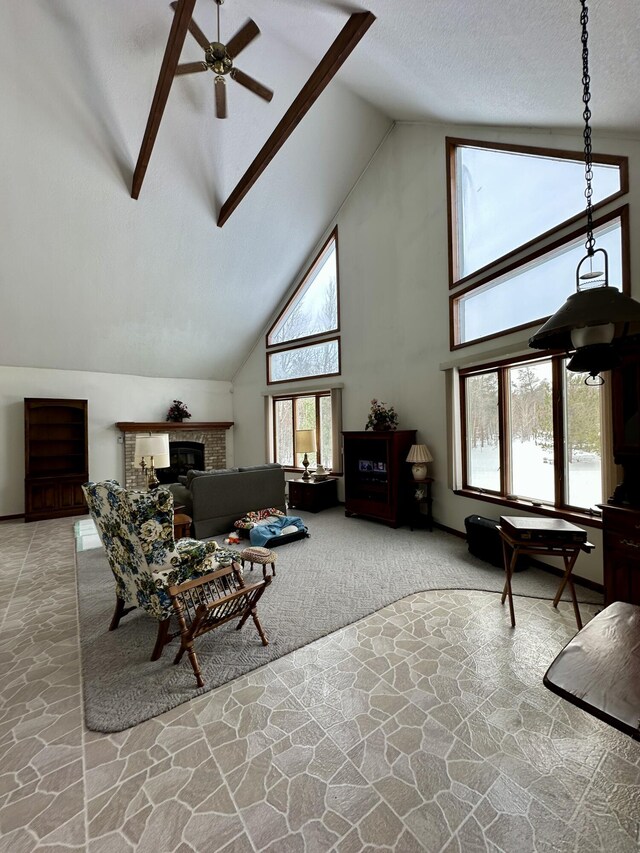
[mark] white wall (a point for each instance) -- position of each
(394, 300)
(111, 398)
(157, 273)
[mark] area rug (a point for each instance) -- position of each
(348, 569)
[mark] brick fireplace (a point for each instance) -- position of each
(210, 434)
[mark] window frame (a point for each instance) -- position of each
(307, 343)
(621, 213)
(293, 397)
(453, 143)
(560, 508)
(333, 236)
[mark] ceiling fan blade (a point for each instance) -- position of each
(344, 44)
(242, 38)
(191, 67)
(183, 13)
(195, 30)
(251, 84)
(221, 97)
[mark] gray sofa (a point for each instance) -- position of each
(215, 499)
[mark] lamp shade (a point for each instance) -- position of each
(305, 441)
(419, 453)
(597, 307)
(156, 445)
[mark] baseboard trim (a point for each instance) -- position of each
(554, 570)
(11, 517)
(450, 530)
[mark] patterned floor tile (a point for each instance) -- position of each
(424, 727)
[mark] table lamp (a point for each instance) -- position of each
(305, 443)
(419, 455)
(152, 451)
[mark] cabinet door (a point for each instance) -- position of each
(622, 579)
(42, 497)
(621, 541)
(53, 499)
(626, 405)
(71, 496)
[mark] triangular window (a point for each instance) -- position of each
(313, 308)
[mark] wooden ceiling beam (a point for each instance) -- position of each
(329, 65)
(179, 27)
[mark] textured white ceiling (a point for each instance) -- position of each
(93, 280)
(480, 61)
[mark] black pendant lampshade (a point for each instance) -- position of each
(593, 315)
(597, 316)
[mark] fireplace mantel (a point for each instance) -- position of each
(165, 426)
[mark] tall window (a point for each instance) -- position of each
(303, 411)
(506, 203)
(531, 432)
(530, 292)
(312, 316)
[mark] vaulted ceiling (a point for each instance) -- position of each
(93, 280)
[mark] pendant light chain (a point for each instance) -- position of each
(586, 97)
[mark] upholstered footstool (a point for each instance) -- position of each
(262, 556)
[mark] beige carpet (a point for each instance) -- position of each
(349, 568)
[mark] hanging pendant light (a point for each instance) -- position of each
(597, 316)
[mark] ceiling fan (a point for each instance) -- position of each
(219, 58)
(217, 52)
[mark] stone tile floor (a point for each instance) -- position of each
(424, 727)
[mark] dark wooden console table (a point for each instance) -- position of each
(599, 669)
(313, 495)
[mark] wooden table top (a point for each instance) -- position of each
(599, 669)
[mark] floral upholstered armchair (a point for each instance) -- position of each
(136, 529)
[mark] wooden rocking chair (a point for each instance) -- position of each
(207, 602)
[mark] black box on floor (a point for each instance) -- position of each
(484, 540)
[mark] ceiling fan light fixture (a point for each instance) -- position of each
(597, 316)
(220, 57)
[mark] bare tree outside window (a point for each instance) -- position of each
(314, 360)
(522, 437)
(483, 431)
(307, 411)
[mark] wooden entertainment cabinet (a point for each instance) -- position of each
(377, 475)
(56, 457)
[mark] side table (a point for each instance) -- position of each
(420, 494)
(514, 548)
(181, 525)
(313, 495)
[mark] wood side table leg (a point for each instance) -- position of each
(509, 566)
(569, 563)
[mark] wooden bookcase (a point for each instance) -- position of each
(56, 457)
(377, 475)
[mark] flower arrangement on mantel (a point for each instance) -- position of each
(382, 417)
(178, 412)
